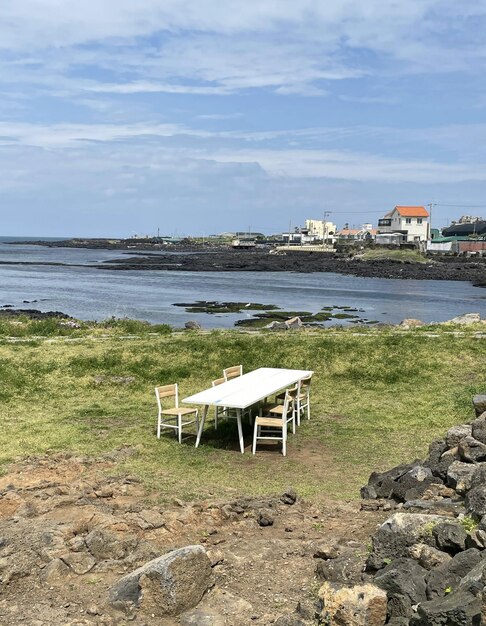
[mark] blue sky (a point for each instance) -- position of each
(198, 116)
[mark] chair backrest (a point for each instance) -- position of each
(305, 383)
(218, 381)
(289, 400)
(167, 391)
(233, 372)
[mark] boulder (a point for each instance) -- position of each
(191, 325)
(289, 497)
(475, 501)
(79, 562)
(399, 607)
(265, 517)
(472, 450)
(479, 429)
(450, 537)
(427, 556)
(459, 476)
(381, 484)
(105, 545)
(413, 484)
(346, 568)
(404, 577)
(476, 539)
(449, 575)
(55, 571)
(394, 537)
(363, 605)
(461, 608)
(436, 450)
(466, 318)
(479, 403)
(456, 433)
(168, 585)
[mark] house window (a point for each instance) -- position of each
(419, 220)
(408, 220)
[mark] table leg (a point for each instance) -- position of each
(240, 432)
(201, 425)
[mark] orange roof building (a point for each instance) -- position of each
(410, 211)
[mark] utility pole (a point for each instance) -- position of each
(325, 228)
(431, 205)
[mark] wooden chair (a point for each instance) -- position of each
(174, 413)
(232, 372)
(220, 411)
(225, 411)
(274, 427)
(303, 398)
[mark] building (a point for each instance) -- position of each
(409, 221)
(320, 229)
(365, 233)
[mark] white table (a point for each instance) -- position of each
(244, 391)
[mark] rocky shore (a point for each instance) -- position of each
(261, 261)
(200, 258)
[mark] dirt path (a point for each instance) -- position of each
(69, 528)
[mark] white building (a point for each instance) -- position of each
(320, 228)
(410, 221)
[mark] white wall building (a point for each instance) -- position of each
(410, 221)
(320, 228)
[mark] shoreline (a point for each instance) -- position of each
(145, 256)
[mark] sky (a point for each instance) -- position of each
(200, 116)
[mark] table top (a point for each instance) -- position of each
(243, 391)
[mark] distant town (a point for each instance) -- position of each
(402, 227)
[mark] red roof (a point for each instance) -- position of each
(412, 211)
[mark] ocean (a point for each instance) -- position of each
(92, 293)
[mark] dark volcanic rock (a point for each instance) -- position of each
(403, 577)
(398, 534)
(346, 568)
(479, 403)
(382, 484)
(33, 314)
(479, 429)
(459, 476)
(456, 434)
(472, 450)
(450, 537)
(475, 502)
(458, 609)
(449, 575)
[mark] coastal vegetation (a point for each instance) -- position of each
(378, 397)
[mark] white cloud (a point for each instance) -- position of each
(196, 47)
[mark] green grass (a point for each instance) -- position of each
(411, 256)
(378, 397)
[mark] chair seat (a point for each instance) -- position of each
(273, 408)
(281, 396)
(178, 411)
(274, 422)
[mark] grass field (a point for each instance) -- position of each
(411, 256)
(378, 396)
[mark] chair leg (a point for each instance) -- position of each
(179, 427)
(284, 442)
(308, 407)
(197, 420)
(240, 432)
(159, 419)
(216, 411)
(255, 434)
